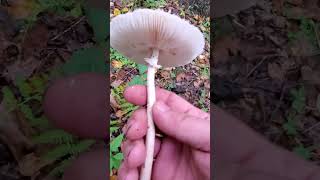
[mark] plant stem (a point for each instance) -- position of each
(150, 139)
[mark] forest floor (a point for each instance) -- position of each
(190, 81)
(37, 41)
(266, 71)
(37, 38)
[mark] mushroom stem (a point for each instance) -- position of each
(146, 170)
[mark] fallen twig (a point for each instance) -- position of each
(68, 29)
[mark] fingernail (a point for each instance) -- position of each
(161, 107)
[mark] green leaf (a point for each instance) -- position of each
(99, 21)
(76, 11)
(126, 105)
(118, 156)
(9, 99)
(137, 80)
(142, 68)
(82, 146)
(116, 142)
(303, 152)
(290, 128)
(113, 129)
(40, 122)
(111, 163)
(58, 152)
(59, 170)
(39, 83)
(27, 112)
(299, 99)
(86, 60)
(55, 136)
(115, 122)
(24, 88)
(116, 163)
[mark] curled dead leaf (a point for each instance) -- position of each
(275, 71)
(116, 83)
(180, 77)
(114, 177)
(113, 102)
(120, 113)
(223, 47)
(30, 165)
(35, 39)
(116, 64)
(116, 12)
(222, 8)
(124, 10)
(197, 83)
(21, 69)
(21, 9)
(165, 74)
(11, 135)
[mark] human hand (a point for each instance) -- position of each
(239, 152)
(78, 104)
(184, 152)
(242, 154)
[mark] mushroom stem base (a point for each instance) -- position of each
(146, 170)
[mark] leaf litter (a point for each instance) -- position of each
(31, 52)
(270, 52)
(180, 80)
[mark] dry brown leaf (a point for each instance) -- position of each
(278, 5)
(116, 83)
(11, 135)
(120, 113)
(181, 76)
(35, 39)
(30, 165)
(298, 12)
(223, 46)
(310, 76)
(302, 47)
(225, 7)
(21, 69)
(295, 2)
(21, 9)
(275, 71)
(116, 64)
(165, 74)
(3, 45)
(197, 83)
(114, 177)
(113, 102)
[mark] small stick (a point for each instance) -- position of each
(68, 29)
(146, 170)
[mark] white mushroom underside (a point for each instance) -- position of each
(137, 33)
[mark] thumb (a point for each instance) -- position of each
(188, 129)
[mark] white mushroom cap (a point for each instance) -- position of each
(136, 34)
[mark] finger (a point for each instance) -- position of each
(88, 166)
(137, 126)
(138, 96)
(126, 173)
(188, 129)
(253, 151)
(135, 152)
(78, 105)
(170, 152)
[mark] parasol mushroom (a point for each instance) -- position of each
(157, 39)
